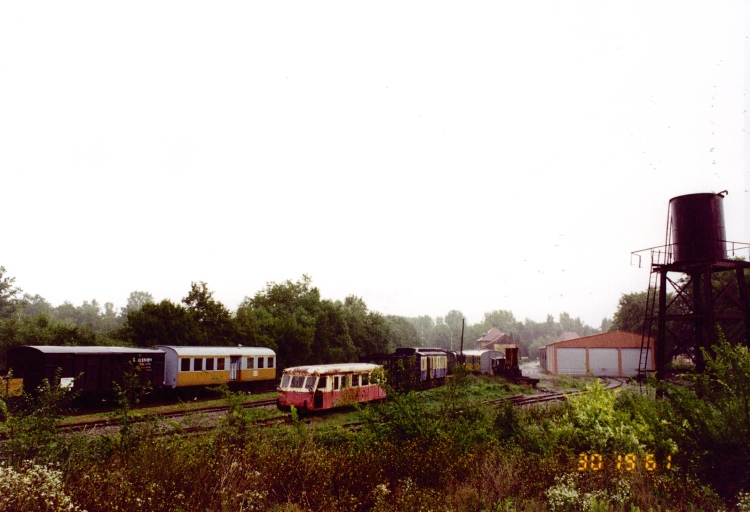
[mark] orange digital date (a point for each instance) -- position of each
(627, 462)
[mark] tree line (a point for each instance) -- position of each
(446, 331)
(290, 317)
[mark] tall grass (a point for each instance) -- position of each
(449, 454)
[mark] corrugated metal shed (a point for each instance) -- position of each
(610, 354)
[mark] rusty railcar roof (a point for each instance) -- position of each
(324, 369)
(479, 352)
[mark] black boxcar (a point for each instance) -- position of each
(95, 369)
(414, 367)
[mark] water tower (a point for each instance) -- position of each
(697, 286)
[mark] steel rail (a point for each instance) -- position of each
(88, 425)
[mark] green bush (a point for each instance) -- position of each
(31, 426)
(712, 420)
(594, 422)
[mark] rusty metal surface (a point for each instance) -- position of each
(697, 227)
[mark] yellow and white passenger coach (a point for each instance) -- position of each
(206, 366)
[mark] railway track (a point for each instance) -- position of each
(522, 400)
(265, 423)
(104, 424)
(515, 401)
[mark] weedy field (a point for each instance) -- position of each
(682, 448)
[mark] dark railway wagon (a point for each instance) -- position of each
(415, 367)
(508, 367)
(95, 369)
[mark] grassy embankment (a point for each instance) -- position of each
(438, 450)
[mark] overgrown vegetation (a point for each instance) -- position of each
(711, 419)
(30, 423)
(442, 450)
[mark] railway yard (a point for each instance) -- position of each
(186, 418)
(477, 442)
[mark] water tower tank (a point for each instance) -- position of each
(697, 224)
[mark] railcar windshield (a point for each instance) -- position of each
(310, 382)
(297, 381)
(285, 381)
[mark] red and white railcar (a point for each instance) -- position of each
(326, 386)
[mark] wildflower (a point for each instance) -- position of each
(33, 487)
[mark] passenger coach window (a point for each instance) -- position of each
(198, 364)
(323, 383)
(260, 362)
(185, 364)
(250, 363)
(365, 379)
(210, 364)
(355, 381)
(220, 363)
(270, 362)
(336, 382)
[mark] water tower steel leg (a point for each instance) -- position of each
(742, 290)
(660, 349)
(710, 324)
(697, 312)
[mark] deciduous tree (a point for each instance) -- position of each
(285, 315)
(136, 300)
(402, 332)
(631, 313)
(164, 323)
(8, 294)
(368, 329)
(332, 341)
(34, 305)
(211, 319)
(504, 320)
(423, 325)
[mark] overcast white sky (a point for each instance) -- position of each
(425, 156)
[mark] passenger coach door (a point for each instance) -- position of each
(235, 368)
(320, 386)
